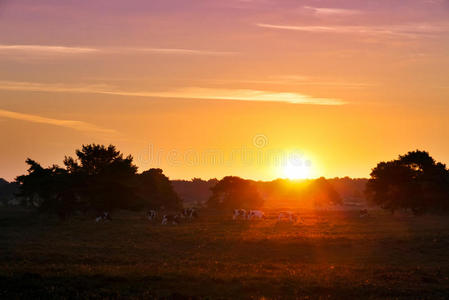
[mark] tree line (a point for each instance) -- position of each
(235, 192)
(100, 178)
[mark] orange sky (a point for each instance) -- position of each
(214, 88)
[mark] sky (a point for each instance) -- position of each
(207, 88)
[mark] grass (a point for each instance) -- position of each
(329, 255)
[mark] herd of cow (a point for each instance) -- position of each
(242, 214)
(189, 214)
(186, 214)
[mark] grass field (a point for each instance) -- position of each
(329, 255)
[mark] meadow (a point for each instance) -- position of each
(330, 254)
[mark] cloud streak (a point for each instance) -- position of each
(42, 49)
(175, 51)
(248, 95)
(324, 11)
(184, 93)
(299, 80)
(405, 30)
(76, 125)
(45, 50)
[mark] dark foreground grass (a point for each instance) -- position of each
(329, 255)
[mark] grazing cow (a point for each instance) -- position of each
(239, 214)
(257, 214)
(104, 217)
(170, 219)
(189, 213)
(363, 213)
(107, 216)
(194, 214)
(288, 215)
(151, 215)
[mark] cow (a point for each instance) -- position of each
(239, 214)
(104, 217)
(288, 215)
(257, 214)
(189, 213)
(151, 215)
(170, 219)
(363, 213)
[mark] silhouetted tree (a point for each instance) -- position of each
(98, 179)
(413, 181)
(104, 178)
(49, 189)
(323, 193)
(156, 190)
(8, 192)
(234, 192)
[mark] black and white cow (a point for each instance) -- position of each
(256, 214)
(239, 214)
(170, 219)
(151, 215)
(189, 213)
(104, 217)
(287, 216)
(363, 213)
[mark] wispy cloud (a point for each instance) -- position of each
(405, 30)
(76, 125)
(44, 87)
(184, 93)
(43, 49)
(46, 50)
(299, 80)
(173, 51)
(325, 11)
(248, 95)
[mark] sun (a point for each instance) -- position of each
(296, 171)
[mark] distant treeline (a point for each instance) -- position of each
(232, 192)
(196, 192)
(352, 190)
(277, 193)
(100, 179)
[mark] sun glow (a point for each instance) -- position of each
(296, 171)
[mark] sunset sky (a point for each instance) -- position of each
(209, 88)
